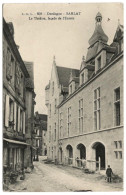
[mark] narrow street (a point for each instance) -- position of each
(51, 178)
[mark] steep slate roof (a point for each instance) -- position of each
(64, 75)
(9, 37)
(43, 117)
(29, 81)
(98, 35)
(98, 32)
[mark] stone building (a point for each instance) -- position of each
(85, 106)
(40, 129)
(29, 116)
(15, 75)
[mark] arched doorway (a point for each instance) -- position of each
(60, 154)
(70, 151)
(69, 154)
(99, 152)
(82, 151)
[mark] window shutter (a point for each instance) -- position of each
(7, 111)
(23, 122)
(15, 117)
(18, 119)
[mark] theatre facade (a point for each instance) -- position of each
(85, 106)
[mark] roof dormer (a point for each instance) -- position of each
(73, 81)
(83, 72)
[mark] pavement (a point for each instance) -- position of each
(58, 178)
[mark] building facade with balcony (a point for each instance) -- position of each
(15, 75)
(85, 106)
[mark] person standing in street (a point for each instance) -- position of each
(109, 174)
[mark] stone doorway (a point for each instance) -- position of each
(99, 149)
(82, 151)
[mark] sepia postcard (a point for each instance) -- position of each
(63, 97)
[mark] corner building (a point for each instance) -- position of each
(85, 106)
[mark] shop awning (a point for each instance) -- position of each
(15, 142)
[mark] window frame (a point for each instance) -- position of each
(97, 109)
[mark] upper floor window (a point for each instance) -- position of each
(55, 106)
(49, 133)
(55, 133)
(50, 110)
(97, 114)
(53, 88)
(38, 132)
(117, 106)
(9, 65)
(120, 46)
(21, 120)
(69, 119)
(11, 110)
(82, 78)
(70, 88)
(118, 149)
(81, 115)
(37, 143)
(61, 123)
(99, 63)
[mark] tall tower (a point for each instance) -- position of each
(99, 38)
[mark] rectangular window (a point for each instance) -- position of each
(11, 111)
(97, 107)
(38, 142)
(49, 133)
(21, 120)
(81, 115)
(120, 154)
(120, 144)
(117, 106)
(99, 63)
(70, 89)
(38, 132)
(55, 133)
(82, 78)
(118, 149)
(50, 110)
(116, 144)
(55, 106)
(17, 117)
(69, 120)
(9, 65)
(53, 88)
(116, 154)
(61, 124)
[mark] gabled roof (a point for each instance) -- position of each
(30, 81)
(64, 75)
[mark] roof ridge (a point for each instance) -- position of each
(67, 67)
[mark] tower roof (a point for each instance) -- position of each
(98, 34)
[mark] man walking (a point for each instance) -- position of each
(109, 173)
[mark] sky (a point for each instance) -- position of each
(67, 40)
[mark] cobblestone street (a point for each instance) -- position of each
(51, 178)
